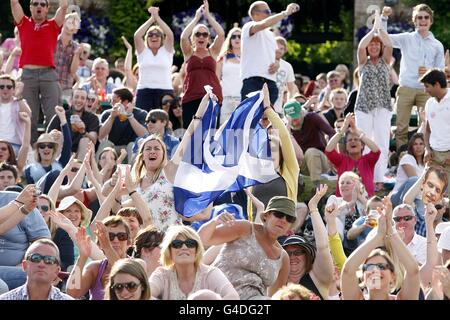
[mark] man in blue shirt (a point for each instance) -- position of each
(421, 51)
(15, 242)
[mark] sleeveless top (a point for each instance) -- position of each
(308, 283)
(231, 78)
(374, 90)
(160, 200)
(199, 73)
(246, 265)
(96, 291)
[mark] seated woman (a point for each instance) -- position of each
(46, 150)
(252, 258)
(353, 158)
(411, 167)
(351, 205)
(379, 273)
(182, 272)
(127, 281)
(147, 247)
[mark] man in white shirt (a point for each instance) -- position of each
(405, 221)
(285, 76)
(258, 62)
(437, 115)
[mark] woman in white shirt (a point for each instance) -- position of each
(155, 58)
(410, 168)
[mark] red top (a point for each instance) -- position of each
(38, 42)
(199, 73)
(364, 167)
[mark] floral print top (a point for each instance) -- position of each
(160, 200)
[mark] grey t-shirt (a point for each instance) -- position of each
(15, 242)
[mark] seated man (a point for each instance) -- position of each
(338, 99)
(84, 125)
(121, 125)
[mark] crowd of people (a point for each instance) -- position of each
(88, 165)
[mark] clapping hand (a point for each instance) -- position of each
(320, 192)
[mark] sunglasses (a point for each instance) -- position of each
(373, 266)
(235, 36)
(74, 169)
(202, 34)
(121, 236)
(297, 253)
(45, 145)
(153, 120)
(91, 99)
(280, 215)
(36, 258)
(423, 17)
(406, 218)
(154, 34)
(130, 286)
(190, 243)
(44, 208)
(36, 4)
(7, 86)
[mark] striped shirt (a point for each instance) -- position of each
(21, 293)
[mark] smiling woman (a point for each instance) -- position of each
(182, 272)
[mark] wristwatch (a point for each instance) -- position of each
(130, 115)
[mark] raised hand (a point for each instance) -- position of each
(129, 184)
(61, 220)
(102, 235)
(259, 205)
(25, 117)
(320, 192)
(83, 243)
(266, 93)
(430, 214)
(28, 197)
(387, 11)
(225, 219)
(331, 212)
(154, 11)
(292, 8)
(205, 8)
(126, 43)
(17, 51)
(61, 113)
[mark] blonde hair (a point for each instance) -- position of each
(337, 91)
(138, 171)
(72, 15)
(292, 291)
(157, 28)
(198, 26)
(173, 233)
(99, 61)
(51, 207)
(422, 7)
(226, 47)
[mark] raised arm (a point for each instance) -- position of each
(129, 80)
(16, 210)
(186, 46)
(337, 137)
(139, 203)
(334, 240)
(223, 228)
(323, 264)
(169, 40)
(412, 193)
(432, 261)
(9, 65)
(61, 12)
(17, 11)
(220, 34)
(140, 32)
(366, 140)
(274, 19)
(23, 151)
(56, 186)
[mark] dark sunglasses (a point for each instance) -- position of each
(122, 236)
(423, 17)
(130, 286)
(154, 34)
(152, 120)
(297, 253)
(202, 34)
(42, 4)
(45, 145)
(406, 218)
(7, 86)
(74, 169)
(36, 258)
(235, 36)
(379, 266)
(190, 243)
(44, 208)
(281, 215)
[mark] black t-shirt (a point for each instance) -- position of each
(330, 115)
(90, 120)
(122, 133)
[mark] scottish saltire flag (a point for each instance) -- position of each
(228, 159)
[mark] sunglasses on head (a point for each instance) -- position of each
(297, 253)
(46, 145)
(36, 258)
(42, 4)
(202, 34)
(280, 215)
(154, 34)
(379, 266)
(130, 286)
(406, 218)
(44, 208)
(423, 17)
(190, 243)
(121, 236)
(235, 36)
(7, 86)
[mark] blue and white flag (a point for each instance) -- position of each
(229, 159)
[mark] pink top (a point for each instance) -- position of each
(164, 283)
(364, 167)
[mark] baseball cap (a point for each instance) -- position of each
(300, 241)
(292, 109)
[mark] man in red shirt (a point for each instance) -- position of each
(38, 42)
